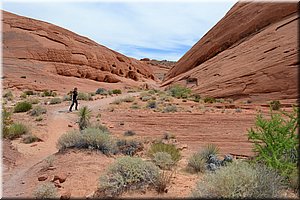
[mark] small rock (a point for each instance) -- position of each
(51, 168)
(69, 125)
(57, 185)
(33, 145)
(60, 177)
(43, 177)
(23, 182)
(111, 126)
(65, 195)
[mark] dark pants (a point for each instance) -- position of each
(74, 102)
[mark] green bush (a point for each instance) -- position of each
(48, 93)
(101, 91)
(179, 91)
(127, 173)
(37, 111)
(46, 191)
(170, 108)
(163, 160)
(168, 148)
(16, 130)
(55, 100)
(23, 106)
(275, 105)
(116, 91)
(209, 100)
(276, 141)
(84, 117)
(69, 140)
(151, 104)
(129, 133)
(240, 180)
(197, 163)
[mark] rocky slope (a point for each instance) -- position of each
(250, 53)
(48, 49)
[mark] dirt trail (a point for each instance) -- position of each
(57, 124)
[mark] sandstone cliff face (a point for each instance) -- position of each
(251, 53)
(47, 48)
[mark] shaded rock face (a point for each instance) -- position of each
(59, 51)
(251, 53)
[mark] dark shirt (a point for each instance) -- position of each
(74, 95)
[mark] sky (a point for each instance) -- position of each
(161, 30)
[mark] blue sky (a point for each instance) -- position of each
(153, 29)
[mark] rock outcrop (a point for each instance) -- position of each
(251, 53)
(52, 49)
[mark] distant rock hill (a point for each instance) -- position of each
(251, 53)
(46, 48)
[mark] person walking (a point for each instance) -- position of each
(74, 100)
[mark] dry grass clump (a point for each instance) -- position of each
(16, 130)
(167, 148)
(45, 191)
(37, 111)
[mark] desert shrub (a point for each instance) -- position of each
(91, 94)
(127, 173)
(55, 100)
(209, 100)
(116, 91)
(179, 91)
(168, 136)
(163, 160)
(101, 127)
(29, 92)
(89, 138)
(197, 163)
(135, 106)
(208, 150)
(275, 105)
(6, 121)
(69, 140)
(129, 133)
(39, 118)
(170, 108)
(129, 147)
(23, 96)
(152, 91)
(16, 130)
(84, 117)
(163, 181)
(37, 111)
(23, 106)
(166, 98)
(8, 95)
(101, 91)
(48, 162)
(167, 148)
(151, 104)
(117, 101)
(146, 98)
(294, 179)
(67, 98)
(276, 141)
(84, 96)
(48, 93)
(240, 180)
(45, 191)
(29, 138)
(220, 100)
(128, 99)
(33, 101)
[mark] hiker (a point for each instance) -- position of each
(74, 99)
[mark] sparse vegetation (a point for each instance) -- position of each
(37, 111)
(275, 105)
(29, 92)
(179, 91)
(276, 141)
(16, 130)
(240, 180)
(209, 100)
(84, 117)
(168, 148)
(129, 133)
(163, 181)
(33, 101)
(23, 96)
(163, 160)
(127, 173)
(55, 100)
(116, 91)
(39, 118)
(170, 108)
(48, 93)
(45, 191)
(151, 104)
(101, 91)
(84, 96)
(8, 95)
(6, 122)
(197, 163)
(29, 138)
(23, 106)
(135, 106)
(129, 147)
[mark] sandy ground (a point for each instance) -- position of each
(195, 125)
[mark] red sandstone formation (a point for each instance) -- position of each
(251, 53)
(45, 48)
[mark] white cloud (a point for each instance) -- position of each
(132, 28)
